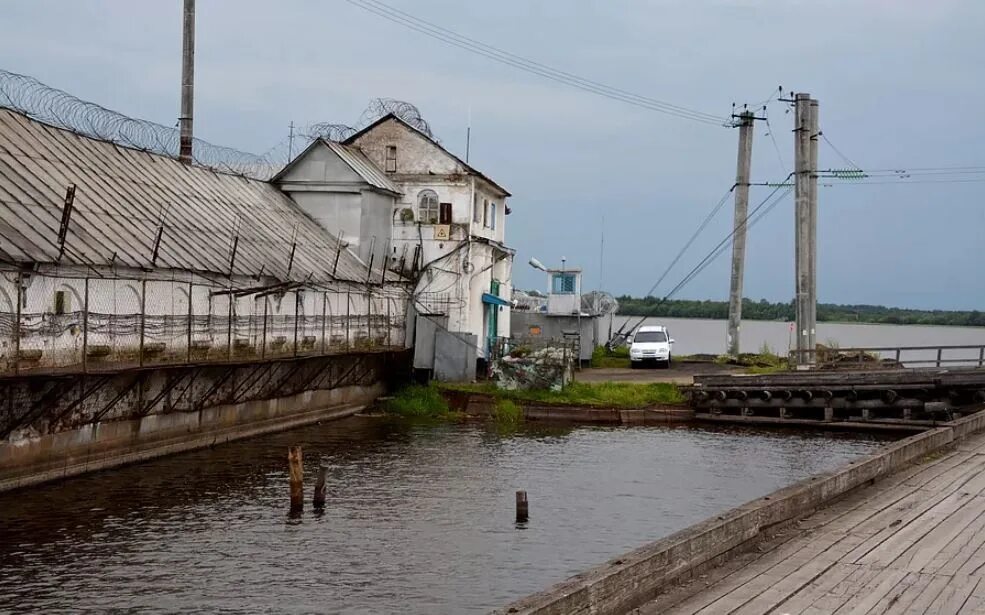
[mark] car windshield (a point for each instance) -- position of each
(650, 336)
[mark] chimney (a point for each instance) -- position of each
(187, 83)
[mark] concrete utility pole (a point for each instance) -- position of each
(742, 172)
(812, 229)
(804, 235)
(187, 83)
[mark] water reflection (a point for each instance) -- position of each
(418, 519)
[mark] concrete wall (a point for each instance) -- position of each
(552, 326)
(636, 577)
(129, 417)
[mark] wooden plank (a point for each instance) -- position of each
(867, 596)
(800, 601)
(907, 534)
(960, 550)
(954, 596)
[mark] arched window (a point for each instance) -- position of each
(427, 207)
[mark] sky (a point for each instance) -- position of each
(898, 83)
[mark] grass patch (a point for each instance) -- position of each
(763, 362)
(507, 413)
(594, 394)
(418, 401)
(617, 357)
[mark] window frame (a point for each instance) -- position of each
(388, 167)
(561, 289)
(433, 207)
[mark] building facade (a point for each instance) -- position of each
(450, 222)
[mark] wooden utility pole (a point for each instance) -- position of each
(804, 234)
(742, 171)
(187, 83)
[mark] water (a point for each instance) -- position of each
(420, 519)
(701, 336)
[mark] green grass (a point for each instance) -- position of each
(507, 414)
(617, 357)
(418, 401)
(763, 362)
(594, 394)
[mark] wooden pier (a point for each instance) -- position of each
(913, 543)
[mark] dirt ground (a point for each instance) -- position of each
(679, 373)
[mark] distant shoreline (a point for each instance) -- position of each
(767, 311)
(825, 322)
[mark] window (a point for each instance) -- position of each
(427, 207)
(650, 336)
(563, 284)
(62, 302)
(444, 213)
(391, 158)
(476, 210)
(492, 215)
(485, 212)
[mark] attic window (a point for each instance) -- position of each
(391, 158)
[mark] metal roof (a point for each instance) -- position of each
(469, 168)
(362, 165)
(121, 196)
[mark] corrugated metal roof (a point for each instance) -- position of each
(362, 165)
(120, 196)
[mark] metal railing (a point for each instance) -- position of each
(961, 355)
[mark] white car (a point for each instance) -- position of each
(651, 343)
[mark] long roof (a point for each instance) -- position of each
(354, 158)
(121, 196)
(352, 139)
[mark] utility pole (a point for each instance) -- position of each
(803, 235)
(812, 231)
(745, 123)
(187, 83)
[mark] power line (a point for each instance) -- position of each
(751, 219)
(530, 66)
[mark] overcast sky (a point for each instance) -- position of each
(899, 84)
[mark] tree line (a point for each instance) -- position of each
(826, 312)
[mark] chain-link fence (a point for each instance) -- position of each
(94, 324)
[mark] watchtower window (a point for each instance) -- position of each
(563, 284)
(427, 207)
(391, 159)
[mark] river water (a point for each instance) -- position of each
(420, 518)
(703, 336)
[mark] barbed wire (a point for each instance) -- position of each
(30, 97)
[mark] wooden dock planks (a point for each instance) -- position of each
(914, 543)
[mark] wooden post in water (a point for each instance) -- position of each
(295, 468)
(522, 507)
(318, 500)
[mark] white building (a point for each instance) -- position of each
(451, 223)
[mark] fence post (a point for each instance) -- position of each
(85, 325)
(324, 313)
(191, 316)
(898, 351)
(263, 335)
(17, 323)
(348, 317)
(939, 352)
(143, 319)
(981, 356)
(229, 326)
(297, 304)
